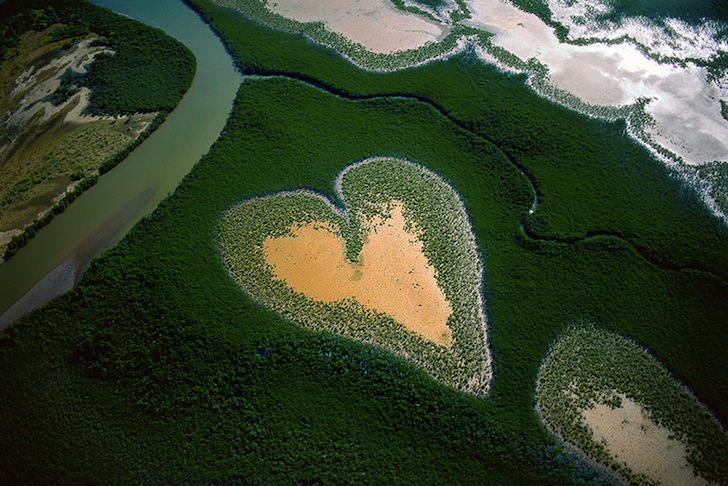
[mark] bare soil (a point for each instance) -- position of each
(376, 24)
(393, 276)
(633, 439)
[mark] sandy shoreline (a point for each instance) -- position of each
(65, 276)
(56, 282)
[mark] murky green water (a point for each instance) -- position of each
(105, 213)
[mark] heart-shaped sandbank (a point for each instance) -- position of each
(399, 268)
(392, 276)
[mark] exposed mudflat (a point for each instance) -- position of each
(376, 24)
(393, 275)
(632, 438)
(684, 104)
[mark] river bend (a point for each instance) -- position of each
(53, 261)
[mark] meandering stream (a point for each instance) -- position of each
(56, 258)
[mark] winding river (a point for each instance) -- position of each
(56, 258)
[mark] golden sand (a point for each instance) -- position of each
(392, 277)
(633, 439)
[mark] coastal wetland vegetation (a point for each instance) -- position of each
(136, 80)
(587, 366)
(369, 189)
(158, 368)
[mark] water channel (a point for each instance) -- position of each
(55, 259)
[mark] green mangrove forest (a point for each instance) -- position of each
(159, 369)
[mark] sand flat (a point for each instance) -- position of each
(35, 85)
(683, 104)
(376, 24)
(632, 438)
(393, 275)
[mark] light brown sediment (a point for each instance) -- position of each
(376, 24)
(633, 439)
(393, 276)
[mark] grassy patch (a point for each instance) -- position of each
(60, 153)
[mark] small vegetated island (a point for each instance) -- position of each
(80, 87)
(398, 267)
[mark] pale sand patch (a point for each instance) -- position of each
(75, 115)
(685, 106)
(632, 438)
(35, 91)
(375, 24)
(393, 275)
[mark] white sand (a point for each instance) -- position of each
(375, 24)
(685, 106)
(633, 439)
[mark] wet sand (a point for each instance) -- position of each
(632, 438)
(58, 281)
(376, 24)
(65, 276)
(685, 106)
(393, 275)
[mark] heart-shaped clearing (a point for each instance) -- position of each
(399, 269)
(393, 275)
